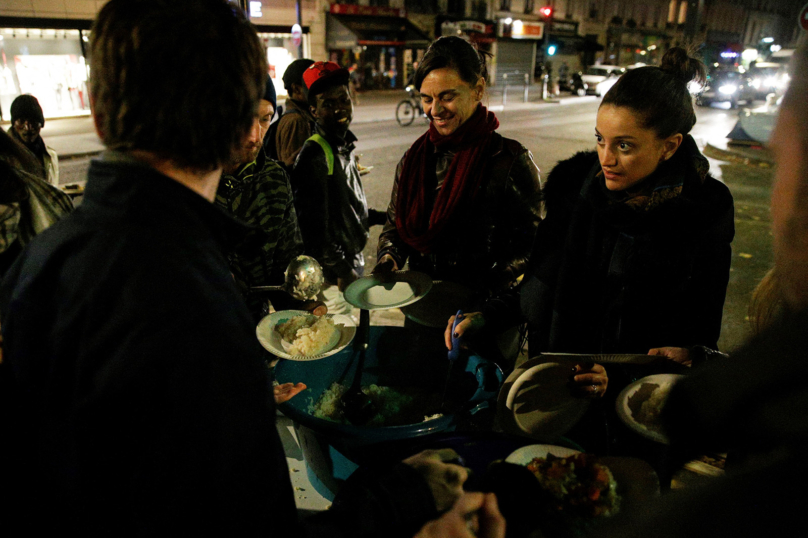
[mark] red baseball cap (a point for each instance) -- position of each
(320, 72)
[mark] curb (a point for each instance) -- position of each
(765, 160)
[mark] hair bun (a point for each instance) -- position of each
(678, 63)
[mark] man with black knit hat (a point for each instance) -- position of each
(295, 126)
(255, 189)
(27, 121)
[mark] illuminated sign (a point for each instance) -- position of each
(255, 9)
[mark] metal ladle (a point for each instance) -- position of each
(303, 279)
(356, 406)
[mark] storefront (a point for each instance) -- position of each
(47, 62)
(479, 32)
(378, 43)
(516, 49)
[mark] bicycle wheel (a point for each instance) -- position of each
(405, 113)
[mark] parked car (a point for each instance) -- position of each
(599, 78)
(724, 86)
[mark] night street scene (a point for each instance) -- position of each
(404, 268)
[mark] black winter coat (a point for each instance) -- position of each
(606, 278)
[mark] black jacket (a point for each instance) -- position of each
(489, 248)
(605, 278)
(135, 400)
(331, 209)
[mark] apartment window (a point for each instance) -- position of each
(530, 5)
(504, 5)
(593, 10)
(672, 11)
(682, 12)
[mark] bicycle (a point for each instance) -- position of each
(409, 108)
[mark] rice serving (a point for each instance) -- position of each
(309, 335)
(648, 414)
(396, 406)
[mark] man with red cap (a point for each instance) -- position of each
(329, 197)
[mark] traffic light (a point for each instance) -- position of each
(547, 12)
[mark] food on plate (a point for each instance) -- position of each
(288, 329)
(309, 335)
(395, 406)
(648, 413)
(576, 486)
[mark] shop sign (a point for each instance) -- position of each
(373, 11)
(564, 27)
(255, 10)
(297, 35)
(518, 29)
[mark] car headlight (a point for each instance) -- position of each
(771, 81)
(728, 89)
(756, 83)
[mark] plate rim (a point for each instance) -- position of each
(503, 397)
(400, 276)
(621, 405)
(510, 458)
(267, 322)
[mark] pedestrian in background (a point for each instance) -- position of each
(27, 121)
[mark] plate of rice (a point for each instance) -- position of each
(300, 336)
(640, 405)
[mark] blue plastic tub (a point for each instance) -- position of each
(396, 357)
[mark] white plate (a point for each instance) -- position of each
(272, 341)
(525, 455)
(400, 289)
(536, 400)
(632, 397)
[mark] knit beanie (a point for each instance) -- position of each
(27, 107)
(269, 93)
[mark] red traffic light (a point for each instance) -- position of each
(547, 11)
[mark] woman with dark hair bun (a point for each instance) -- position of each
(633, 255)
(466, 201)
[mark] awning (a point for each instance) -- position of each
(368, 30)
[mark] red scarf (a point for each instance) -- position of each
(418, 227)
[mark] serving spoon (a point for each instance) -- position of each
(303, 279)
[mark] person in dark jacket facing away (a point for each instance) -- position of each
(135, 397)
(466, 201)
(634, 253)
(294, 126)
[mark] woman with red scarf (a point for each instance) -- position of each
(466, 201)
